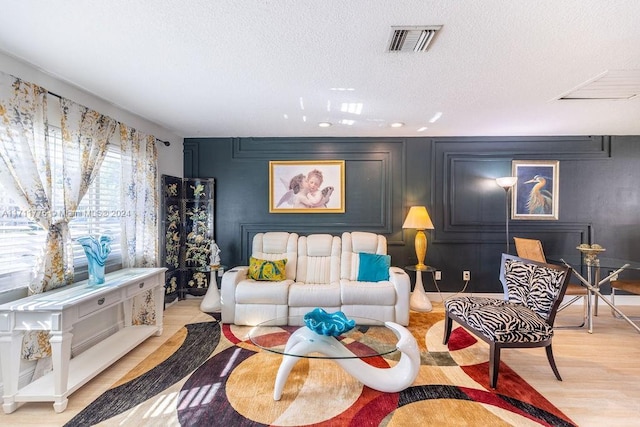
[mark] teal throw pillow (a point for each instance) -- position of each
(373, 268)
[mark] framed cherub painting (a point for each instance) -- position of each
(306, 186)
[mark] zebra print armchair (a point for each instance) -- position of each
(533, 292)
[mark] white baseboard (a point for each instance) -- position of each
(26, 373)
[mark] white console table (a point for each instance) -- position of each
(58, 311)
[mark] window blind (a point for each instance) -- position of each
(22, 239)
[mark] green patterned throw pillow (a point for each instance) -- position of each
(268, 270)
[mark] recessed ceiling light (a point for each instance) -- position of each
(324, 124)
(397, 124)
(347, 122)
(342, 89)
(422, 129)
(286, 116)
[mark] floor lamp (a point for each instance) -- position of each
(418, 219)
(507, 182)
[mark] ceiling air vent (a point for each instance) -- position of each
(412, 39)
(610, 85)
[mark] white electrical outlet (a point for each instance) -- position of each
(438, 275)
(466, 275)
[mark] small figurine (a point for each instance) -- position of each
(215, 254)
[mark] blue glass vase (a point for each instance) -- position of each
(97, 250)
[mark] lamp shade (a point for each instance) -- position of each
(418, 218)
(507, 181)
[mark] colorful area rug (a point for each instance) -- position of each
(211, 375)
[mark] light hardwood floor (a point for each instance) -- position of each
(600, 387)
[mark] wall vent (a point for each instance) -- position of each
(610, 85)
(412, 39)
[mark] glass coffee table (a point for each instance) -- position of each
(369, 338)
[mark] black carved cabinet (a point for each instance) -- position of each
(187, 234)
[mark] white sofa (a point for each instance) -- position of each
(321, 271)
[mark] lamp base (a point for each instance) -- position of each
(421, 248)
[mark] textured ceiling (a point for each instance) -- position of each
(271, 67)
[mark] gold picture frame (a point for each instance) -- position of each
(306, 186)
(536, 193)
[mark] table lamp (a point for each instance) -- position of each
(506, 182)
(418, 218)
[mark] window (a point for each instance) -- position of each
(22, 239)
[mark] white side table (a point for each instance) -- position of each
(211, 301)
(419, 300)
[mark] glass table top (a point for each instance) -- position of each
(415, 268)
(606, 263)
(369, 338)
(212, 268)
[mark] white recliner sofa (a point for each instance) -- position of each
(386, 300)
(321, 271)
(246, 301)
(318, 275)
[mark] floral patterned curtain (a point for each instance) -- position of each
(85, 137)
(25, 166)
(140, 201)
(26, 170)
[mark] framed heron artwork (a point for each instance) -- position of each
(306, 186)
(535, 195)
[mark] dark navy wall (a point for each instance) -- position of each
(453, 177)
